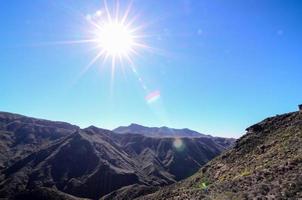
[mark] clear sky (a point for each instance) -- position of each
(214, 66)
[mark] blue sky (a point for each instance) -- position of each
(219, 66)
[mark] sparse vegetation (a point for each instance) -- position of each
(204, 184)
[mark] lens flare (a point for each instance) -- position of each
(153, 96)
(178, 144)
(115, 38)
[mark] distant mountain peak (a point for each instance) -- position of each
(94, 128)
(162, 131)
(136, 125)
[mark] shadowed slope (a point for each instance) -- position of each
(21, 136)
(91, 162)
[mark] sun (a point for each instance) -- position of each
(115, 36)
(115, 39)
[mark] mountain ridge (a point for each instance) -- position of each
(162, 131)
(166, 132)
(85, 163)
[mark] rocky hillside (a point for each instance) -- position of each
(266, 163)
(43, 159)
(20, 136)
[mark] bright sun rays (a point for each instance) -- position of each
(115, 36)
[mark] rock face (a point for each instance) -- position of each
(42, 159)
(266, 163)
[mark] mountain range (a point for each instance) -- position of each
(166, 132)
(158, 131)
(42, 159)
